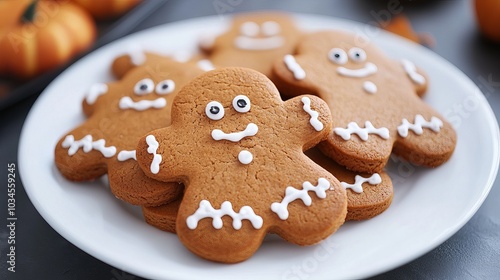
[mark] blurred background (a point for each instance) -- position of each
(39, 39)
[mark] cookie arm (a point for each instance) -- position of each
(121, 65)
(160, 155)
(291, 76)
(310, 120)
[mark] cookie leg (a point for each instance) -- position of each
(425, 140)
(219, 232)
(310, 213)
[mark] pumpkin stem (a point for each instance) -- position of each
(29, 13)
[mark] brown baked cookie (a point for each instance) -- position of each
(162, 217)
(238, 148)
(368, 195)
(124, 63)
(254, 40)
(373, 101)
(119, 114)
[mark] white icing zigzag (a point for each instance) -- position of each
(314, 115)
(375, 179)
(87, 144)
(152, 148)
(205, 210)
(435, 125)
(353, 128)
(291, 194)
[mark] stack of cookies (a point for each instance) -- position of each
(268, 130)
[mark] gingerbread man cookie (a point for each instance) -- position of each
(238, 148)
(254, 40)
(374, 102)
(119, 114)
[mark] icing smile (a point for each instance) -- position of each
(127, 103)
(366, 71)
(259, 44)
(250, 130)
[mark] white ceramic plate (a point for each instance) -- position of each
(428, 207)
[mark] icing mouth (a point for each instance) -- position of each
(127, 103)
(366, 71)
(258, 44)
(250, 130)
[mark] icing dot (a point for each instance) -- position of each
(245, 157)
(241, 104)
(270, 28)
(214, 110)
(250, 29)
(370, 87)
(337, 56)
(357, 54)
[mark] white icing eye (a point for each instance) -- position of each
(357, 54)
(144, 86)
(165, 87)
(270, 28)
(241, 104)
(338, 56)
(250, 29)
(214, 110)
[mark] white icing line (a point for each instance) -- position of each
(95, 91)
(250, 130)
(294, 67)
(205, 65)
(411, 70)
(434, 124)
(370, 87)
(291, 194)
(126, 155)
(88, 145)
(137, 56)
(375, 179)
(245, 157)
(368, 70)
(258, 44)
(314, 115)
(205, 210)
(152, 148)
(127, 103)
(353, 128)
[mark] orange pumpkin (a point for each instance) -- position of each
(106, 9)
(488, 18)
(36, 36)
